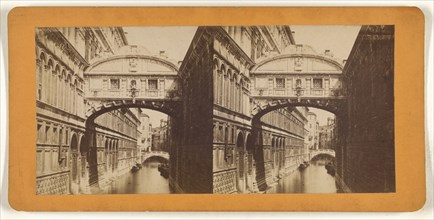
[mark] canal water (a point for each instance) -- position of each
(145, 181)
(313, 179)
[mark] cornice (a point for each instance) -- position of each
(232, 46)
(127, 56)
(304, 55)
(63, 44)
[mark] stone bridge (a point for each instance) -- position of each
(329, 152)
(298, 77)
(160, 154)
(132, 78)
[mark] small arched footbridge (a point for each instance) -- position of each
(157, 154)
(328, 152)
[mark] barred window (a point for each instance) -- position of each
(152, 84)
(317, 83)
(114, 84)
(280, 83)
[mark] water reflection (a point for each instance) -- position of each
(313, 179)
(145, 181)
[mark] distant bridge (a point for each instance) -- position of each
(329, 152)
(161, 154)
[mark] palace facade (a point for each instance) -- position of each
(62, 55)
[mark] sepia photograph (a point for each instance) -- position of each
(283, 109)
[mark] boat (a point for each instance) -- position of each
(330, 169)
(135, 169)
(164, 170)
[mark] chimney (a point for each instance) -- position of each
(328, 53)
(163, 54)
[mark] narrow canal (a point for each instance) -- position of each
(313, 179)
(145, 181)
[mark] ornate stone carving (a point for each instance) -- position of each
(298, 61)
(132, 64)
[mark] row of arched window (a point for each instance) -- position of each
(119, 122)
(57, 86)
(284, 120)
(278, 141)
(115, 151)
(283, 147)
(53, 143)
(228, 88)
(231, 141)
(224, 133)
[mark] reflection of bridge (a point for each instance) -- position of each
(160, 154)
(329, 152)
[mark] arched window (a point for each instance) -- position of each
(240, 150)
(56, 84)
(59, 89)
(74, 156)
(133, 84)
(215, 80)
(71, 96)
(229, 87)
(241, 95)
(62, 90)
(48, 83)
(226, 89)
(40, 76)
(221, 83)
(68, 93)
(236, 91)
(232, 92)
(74, 97)
(298, 83)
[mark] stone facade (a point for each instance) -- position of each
(132, 78)
(312, 127)
(62, 55)
(282, 143)
(326, 135)
(145, 135)
(160, 137)
(116, 143)
(366, 158)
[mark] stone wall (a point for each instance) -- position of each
(366, 163)
(193, 156)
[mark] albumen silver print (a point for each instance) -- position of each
(215, 109)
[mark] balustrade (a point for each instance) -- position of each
(298, 93)
(128, 93)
